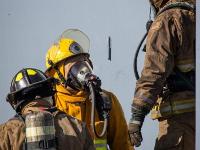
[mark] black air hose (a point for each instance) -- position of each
(92, 124)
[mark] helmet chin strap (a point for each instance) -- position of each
(63, 81)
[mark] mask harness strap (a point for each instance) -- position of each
(63, 81)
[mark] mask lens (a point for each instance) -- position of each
(80, 70)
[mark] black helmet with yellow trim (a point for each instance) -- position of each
(27, 85)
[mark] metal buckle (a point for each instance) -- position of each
(44, 144)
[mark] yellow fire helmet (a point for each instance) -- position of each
(64, 49)
(71, 42)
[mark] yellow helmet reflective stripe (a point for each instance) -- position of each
(19, 77)
(30, 72)
(64, 49)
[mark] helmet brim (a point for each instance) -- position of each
(17, 95)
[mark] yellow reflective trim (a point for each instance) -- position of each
(100, 144)
(101, 148)
(19, 77)
(176, 107)
(185, 61)
(99, 141)
(185, 101)
(31, 72)
(186, 67)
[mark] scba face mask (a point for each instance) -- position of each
(78, 73)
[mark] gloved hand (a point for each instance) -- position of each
(136, 122)
(135, 134)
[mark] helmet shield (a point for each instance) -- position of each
(78, 36)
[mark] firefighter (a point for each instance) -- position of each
(68, 61)
(38, 125)
(167, 82)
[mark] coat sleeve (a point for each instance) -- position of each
(4, 138)
(12, 135)
(118, 137)
(162, 43)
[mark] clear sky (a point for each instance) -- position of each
(29, 27)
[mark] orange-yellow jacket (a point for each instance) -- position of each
(79, 106)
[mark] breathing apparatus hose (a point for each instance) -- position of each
(136, 56)
(92, 124)
(148, 25)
